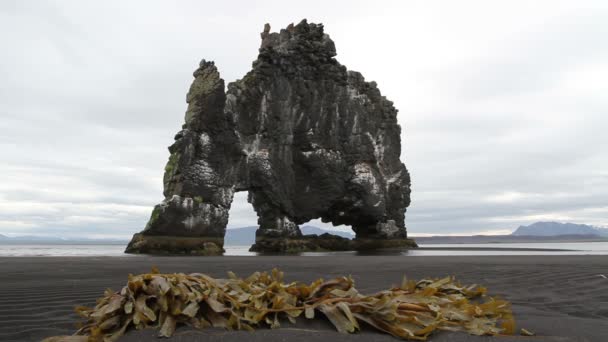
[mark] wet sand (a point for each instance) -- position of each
(560, 298)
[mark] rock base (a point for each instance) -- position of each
(175, 245)
(325, 243)
(363, 244)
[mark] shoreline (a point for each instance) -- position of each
(424, 249)
(510, 249)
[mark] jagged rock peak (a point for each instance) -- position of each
(302, 40)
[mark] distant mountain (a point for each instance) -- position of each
(246, 236)
(310, 230)
(240, 236)
(556, 228)
(2, 237)
(497, 239)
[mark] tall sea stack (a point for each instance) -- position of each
(303, 135)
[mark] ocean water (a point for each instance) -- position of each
(561, 248)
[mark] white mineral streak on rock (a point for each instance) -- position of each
(378, 153)
(285, 224)
(230, 101)
(393, 178)
(226, 195)
(261, 160)
(205, 144)
(363, 175)
(188, 203)
(389, 228)
(354, 94)
(190, 222)
(254, 146)
(336, 125)
(202, 217)
(378, 146)
(300, 116)
(263, 114)
(205, 139)
(326, 154)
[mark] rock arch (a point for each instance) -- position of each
(303, 135)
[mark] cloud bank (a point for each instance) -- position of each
(503, 106)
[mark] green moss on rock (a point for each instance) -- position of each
(155, 215)
(172, 163)
(170, 168)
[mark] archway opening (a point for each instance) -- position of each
(242, 223)
(319, 227)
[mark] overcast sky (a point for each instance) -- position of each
(503, 105)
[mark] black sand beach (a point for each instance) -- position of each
(561, 298)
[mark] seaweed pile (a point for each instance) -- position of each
(413, 310)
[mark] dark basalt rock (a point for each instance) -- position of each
(303, 135)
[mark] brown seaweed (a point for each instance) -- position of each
(412, 310)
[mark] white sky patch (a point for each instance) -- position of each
(481, 232)
(533, 218)
(516, 196)
(15, 224)
(598, 210)
(509, 196)
(586, 81)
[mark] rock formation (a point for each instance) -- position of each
(303, 135)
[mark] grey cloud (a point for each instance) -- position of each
(503, 109)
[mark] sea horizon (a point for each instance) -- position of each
(497, 249)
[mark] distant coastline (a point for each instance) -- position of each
(497, 239)
(539, 232)
(19, 241)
